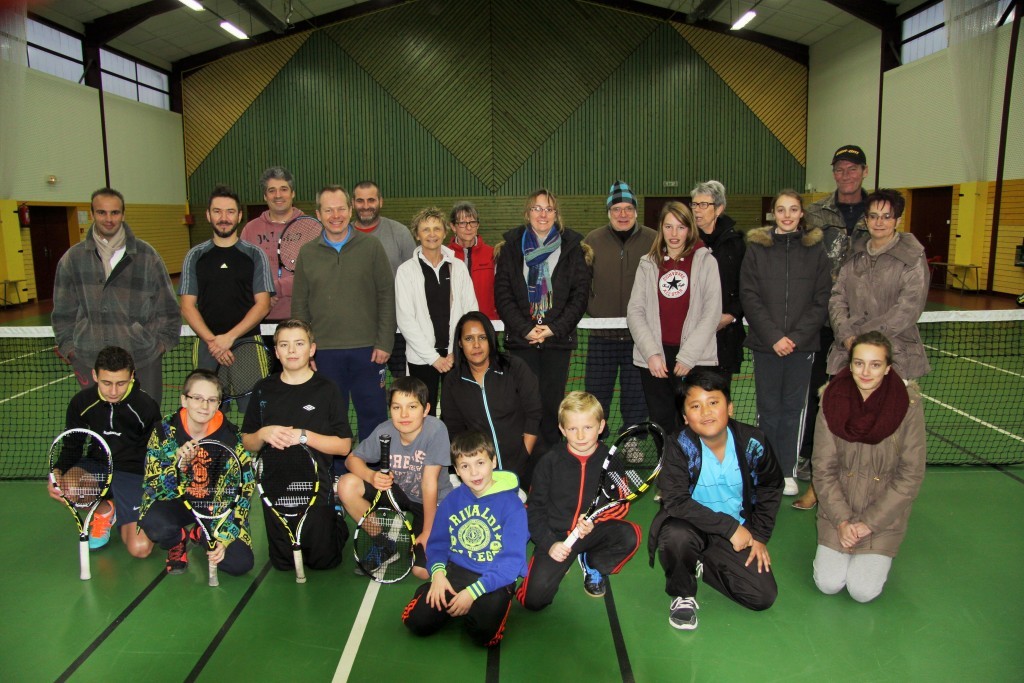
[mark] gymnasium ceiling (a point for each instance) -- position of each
(171, 32)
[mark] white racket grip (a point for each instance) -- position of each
(570, 541)
(83, 559)
(300, 572)
(214, 581)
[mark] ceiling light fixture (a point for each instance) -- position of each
(747, 17)
(233, 30)
(192, 4)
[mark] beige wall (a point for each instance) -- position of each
(146, 150)
(842, 94)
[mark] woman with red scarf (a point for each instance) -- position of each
(868, 462)
(673, 312)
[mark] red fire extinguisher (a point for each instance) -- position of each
(24, 219)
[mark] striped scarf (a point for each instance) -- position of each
(538, 278)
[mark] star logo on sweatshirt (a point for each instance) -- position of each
(673, 284)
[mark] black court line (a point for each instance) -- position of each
(110, 629)
(981, 460)
(625, 668)
(493, 674)
(204, 659)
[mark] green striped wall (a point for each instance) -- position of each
(493, 98)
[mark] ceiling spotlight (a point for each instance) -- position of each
(233, 30)
(192, 4)
(744, 20)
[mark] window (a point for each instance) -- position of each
(127, 78)
(53, 51)
(924, 33)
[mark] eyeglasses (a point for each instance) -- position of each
(543, 209)
(875, 217)
(623, 210)
(202, 401)
(467, 224)
(701, 205)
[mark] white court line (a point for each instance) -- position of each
(974, 419)
(355, 636)
(41, 386)
(977, 362)
(26, 355)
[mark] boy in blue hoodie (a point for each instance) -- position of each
(475, 565)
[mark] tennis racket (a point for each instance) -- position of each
(213, 477)
(632, 465)
(299, 230)
(81, 469)
(288, 483)
(82, 381)
(383, 541)
(251, 364)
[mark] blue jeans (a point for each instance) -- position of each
(361, 379)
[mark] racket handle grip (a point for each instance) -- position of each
(214, 581)
(83, 559)
(570, 541)
(300, 572)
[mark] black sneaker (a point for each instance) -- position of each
(177, 558)
(593, 580)
(682, 613)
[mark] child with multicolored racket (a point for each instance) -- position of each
(475, 565)
(418, 477)
(565, 481)
(123, 415)
(295, 412)
(198, 483)
(720, 491)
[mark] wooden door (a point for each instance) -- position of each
(49, 233)
(929, 220)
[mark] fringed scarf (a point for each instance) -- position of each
(870, 421)
(538, 278)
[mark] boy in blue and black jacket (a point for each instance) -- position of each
(475, 565)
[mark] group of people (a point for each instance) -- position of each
(836, 281)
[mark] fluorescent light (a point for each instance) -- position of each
(233, 30)
(192, 4)
(744, 20)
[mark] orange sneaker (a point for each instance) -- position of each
(99, 528)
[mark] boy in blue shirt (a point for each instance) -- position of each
(565, 482)
(720, 491)
(475, 565)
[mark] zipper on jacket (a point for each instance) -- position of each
(487, 412)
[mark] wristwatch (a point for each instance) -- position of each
(303, 438)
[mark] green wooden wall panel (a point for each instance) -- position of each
(663, 116)
(328, 121)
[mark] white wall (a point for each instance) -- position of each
(146, 150)
(842, 99)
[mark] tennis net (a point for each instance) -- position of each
(972, 395)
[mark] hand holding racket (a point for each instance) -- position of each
(383, 541)
(632, 465)
(80, 472)
(212, 475)
(288, 483)
(251, 364)
(296, 233)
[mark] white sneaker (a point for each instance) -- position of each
(682, 614)
(791, 488)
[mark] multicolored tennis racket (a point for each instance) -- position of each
(383, 541)
(297, 232)
(288, 483)
(632, 465)
(212, 476)
(81, 469)
(251, 364)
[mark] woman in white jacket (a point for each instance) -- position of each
(432, 291)
(673, 312)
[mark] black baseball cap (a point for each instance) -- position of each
(850, 153)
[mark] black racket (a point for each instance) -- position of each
(288, 483)
(632, 465)
(297, 232)
(212, 476)
(251, 364)
(81, 469)
(383, 541)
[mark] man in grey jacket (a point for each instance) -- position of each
(112, 289)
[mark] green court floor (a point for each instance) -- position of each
(953, 610)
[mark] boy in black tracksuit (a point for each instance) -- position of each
(565, 482)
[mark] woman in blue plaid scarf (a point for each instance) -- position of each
(541, 289)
